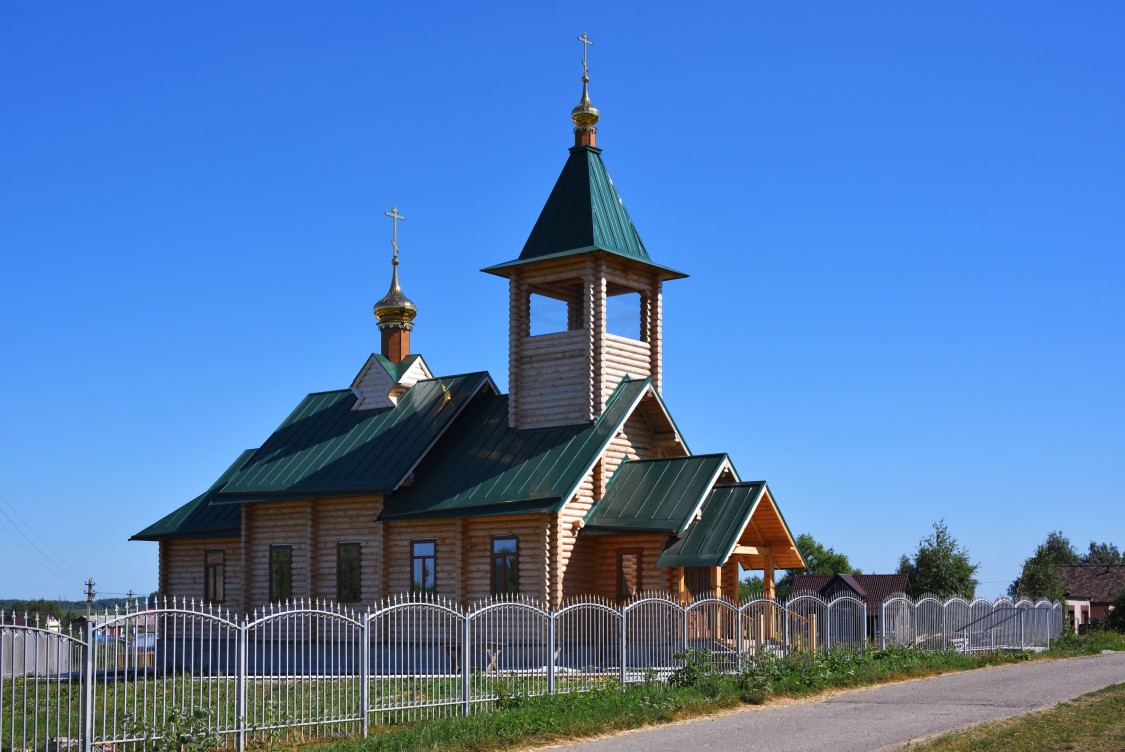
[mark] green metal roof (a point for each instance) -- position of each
(326, 448)
(584, 214)
(483, 466)
(709, 542)
(200, 517)
(661, 494)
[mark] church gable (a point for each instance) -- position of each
(381, 382)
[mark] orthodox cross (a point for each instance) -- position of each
(395, 218)
(585, 40)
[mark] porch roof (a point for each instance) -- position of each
(736, 514)
(661, 494)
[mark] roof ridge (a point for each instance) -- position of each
(707, 455)
(456, 376)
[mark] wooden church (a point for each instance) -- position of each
(576, 482)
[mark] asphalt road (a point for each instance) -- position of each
(877, 718)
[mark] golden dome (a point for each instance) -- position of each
(395, 309)
(585, 114)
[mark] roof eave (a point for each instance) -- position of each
(505, 269)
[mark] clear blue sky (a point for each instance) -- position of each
(904, 227)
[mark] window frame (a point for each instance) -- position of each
(357, 595)
(495, 586)
(621, 554)
(208, 581)
(274, 584)
(415, 557)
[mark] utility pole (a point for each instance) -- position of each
(90, 593)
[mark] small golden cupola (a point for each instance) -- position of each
(395, 312)
(585, 114)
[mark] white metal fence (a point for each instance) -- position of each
(322, 669)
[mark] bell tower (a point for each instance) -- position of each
(582, 251)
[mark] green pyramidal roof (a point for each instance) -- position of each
(584, 214)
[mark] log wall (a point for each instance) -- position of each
(398, 561)
(184, 568)
(477, 552)
(595, 564)
(282, 523)
(552, 380)
(349, 520)
(620, 357)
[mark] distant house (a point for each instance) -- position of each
(872, 589)
(577, 482)
(1090, 590)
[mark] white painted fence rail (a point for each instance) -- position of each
(323, 669)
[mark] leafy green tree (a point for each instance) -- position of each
(940, 566)
(1115, 618)
(1102, 553)
(749, 588)
(1039, 576)
(818, 560)
(1060, 550)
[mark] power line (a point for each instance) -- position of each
(60, 561)
(46, 564)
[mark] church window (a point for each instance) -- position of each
(347, 572)
(281, 573)
(505, 565)
(214, 566)
(628, 574)
(423, 566)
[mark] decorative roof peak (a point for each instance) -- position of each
(585, 115)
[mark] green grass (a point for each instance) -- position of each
(1092, 722)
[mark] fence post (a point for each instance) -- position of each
(883, 625)
(623, 647)
(365, 676)
(785, 626)
(863, 626)
(944, 629)
(1023, 645)
(738, 640)
(551, 653)
(913, 624)
(87, 689)
(828, 627)
(240, 682)
(683, 628)
(466, 663)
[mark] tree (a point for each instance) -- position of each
(1102, 553)
(750, 588)
(1059, 549)
(818, 560)
(940, 566)
(1039, 577)
(1115, 617)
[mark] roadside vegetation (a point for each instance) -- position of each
(1091, 722)
(694, 689)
